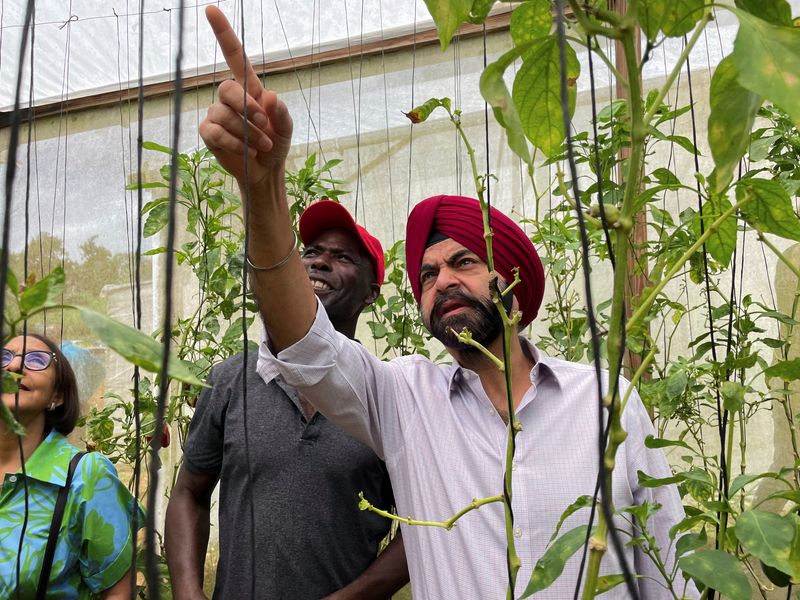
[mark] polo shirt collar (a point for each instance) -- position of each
(50, 461)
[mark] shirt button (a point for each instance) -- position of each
(514, 466)
(517, 532)
(13, 479)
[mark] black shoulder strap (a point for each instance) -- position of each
(55, 525)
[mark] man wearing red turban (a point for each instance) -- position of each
(441, 429)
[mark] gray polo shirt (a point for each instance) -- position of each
(310, 537)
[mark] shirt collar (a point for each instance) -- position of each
(50, 461)
(543, 368)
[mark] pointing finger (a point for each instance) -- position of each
(233, 51)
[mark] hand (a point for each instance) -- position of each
(268, 123)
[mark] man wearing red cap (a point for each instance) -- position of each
(302, 473)
(442, 430)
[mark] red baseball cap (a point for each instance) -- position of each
(329, 214)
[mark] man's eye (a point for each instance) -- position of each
(309, 252)
(465, 262)
(426, 276)
(345, 258)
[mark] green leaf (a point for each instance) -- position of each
(448, 16)
(479, 11)
(676, 384)
(788, 370)
(8, 384)
(145, 186)
(673, 17)
(654, 442)
(494, 91)
(530, 20)
(156, 219)
(156, 147)
(733, 395)
(772, 210)
(733, 112)
(421, 113)
(552, 562)
(690, 541)
(134, 346)
(580, 503)
(743, 480)
(768, 536)
(607, 582)
(43, 293)
(537, 93)
(791, 495)
(718, 570)
(777, 12)
(767, 57)
(722, 243)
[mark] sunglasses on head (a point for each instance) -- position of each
(33, 360)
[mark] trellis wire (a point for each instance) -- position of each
(247, 200)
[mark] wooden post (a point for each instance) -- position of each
(637, 266)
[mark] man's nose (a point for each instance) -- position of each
(320, 262)
(446, 279)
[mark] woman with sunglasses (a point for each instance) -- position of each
(94, 546)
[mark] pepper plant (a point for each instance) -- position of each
(726, 537)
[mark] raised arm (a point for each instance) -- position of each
(186, 535)
(281, 286)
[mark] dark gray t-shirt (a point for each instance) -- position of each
(310, 537)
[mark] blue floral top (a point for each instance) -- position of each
(94, 544)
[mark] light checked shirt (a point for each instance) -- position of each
(444, 444)
(94, 544)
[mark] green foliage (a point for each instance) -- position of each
(767, 57)
(537, 93)
(673, 18)
(311, 183)
(725, 374)
(771, 538)
(552, 562)
(718, 570)
(733, 112)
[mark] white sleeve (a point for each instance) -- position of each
(359, 393)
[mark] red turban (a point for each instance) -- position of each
(460, 219)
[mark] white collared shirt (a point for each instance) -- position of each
(445, 444)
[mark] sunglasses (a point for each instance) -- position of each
(33, 360)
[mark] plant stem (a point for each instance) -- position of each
(679, 64)
(641, 311)
(616, 434)
(509, 330)
(476, 503)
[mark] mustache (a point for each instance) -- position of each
(454, 295)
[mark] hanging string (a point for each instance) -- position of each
(247, 199)
(299, 83)
(137, 273)
(356, 103)
(11, 168)
(707, 279)
(152, 566)
(603, 427)
(595, 341)
(127, 194)
(386, 117)
(403, 332)
(455, 44)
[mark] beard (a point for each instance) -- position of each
(482, 320)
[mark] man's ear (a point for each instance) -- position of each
(374, 292)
